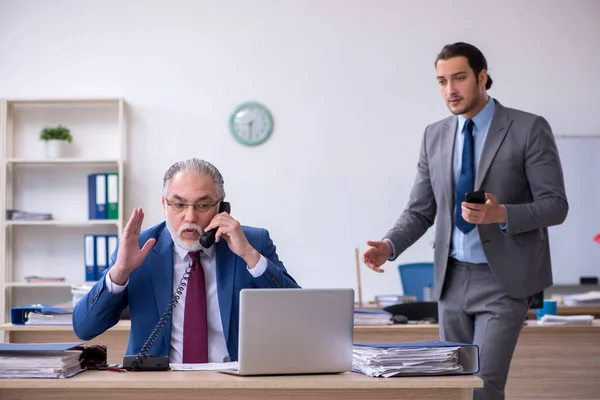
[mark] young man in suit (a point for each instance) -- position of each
(149, 267)
(490, 258)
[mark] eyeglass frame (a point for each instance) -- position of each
(194, 206)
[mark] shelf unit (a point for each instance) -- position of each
(32, 182)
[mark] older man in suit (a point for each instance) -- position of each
(165, 264)
(491, 258)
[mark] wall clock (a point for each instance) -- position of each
(251, 124)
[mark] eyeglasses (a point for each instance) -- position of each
(199, 208)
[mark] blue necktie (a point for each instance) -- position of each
(466, 180)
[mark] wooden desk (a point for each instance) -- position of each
(549, 361)
(572, 310)
(101, 385)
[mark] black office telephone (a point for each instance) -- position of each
(208, 238)
(145, 362)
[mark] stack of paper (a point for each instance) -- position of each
(41, 318)
(371, 317)
(591, 298)
(576, 320)
(79, 292)
(417, 358)
(52, 360)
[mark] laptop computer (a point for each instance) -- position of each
(295, 331)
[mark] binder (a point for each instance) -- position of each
(101, 256)
(19, 315)
(97, 196)
(112, 242)
(112, 195)
(89, 257)
(468, 353)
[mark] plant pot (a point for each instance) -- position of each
(56, 148)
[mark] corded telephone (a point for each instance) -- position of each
(144, 362)
(208, 238)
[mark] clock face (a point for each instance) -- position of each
(251, 124)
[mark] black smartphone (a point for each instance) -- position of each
(207, 239)
(477, 197)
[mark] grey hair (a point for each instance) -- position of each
(198, 166)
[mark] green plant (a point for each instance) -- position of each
(56, 133)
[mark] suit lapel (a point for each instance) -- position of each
(447, 150)
(226, 261)
(496, 134)
(161, 267)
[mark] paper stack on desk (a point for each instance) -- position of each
(573, 320)
(47, 360)
(363, 317)
(591, 298)
(415, 358)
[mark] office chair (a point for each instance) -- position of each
(415, 277)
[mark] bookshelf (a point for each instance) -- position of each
(31, 182)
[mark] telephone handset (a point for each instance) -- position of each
(208, 238)
(144, 362)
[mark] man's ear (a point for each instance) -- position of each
(483, 78)
(164, 204)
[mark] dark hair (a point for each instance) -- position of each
(475, 58)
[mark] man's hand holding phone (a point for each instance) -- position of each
(482, 208)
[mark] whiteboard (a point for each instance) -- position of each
(574, 253)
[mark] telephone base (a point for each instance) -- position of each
(146, 363)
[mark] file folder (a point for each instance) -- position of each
(101, 256)
(112, 242)
(89, 257)
(468, 354)
(19, 315)
(23, 347)
(112, 195)
(97, 196)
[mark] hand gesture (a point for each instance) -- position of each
(377, 254)
(130, 256)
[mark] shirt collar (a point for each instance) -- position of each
(183, 253)
(482, 118)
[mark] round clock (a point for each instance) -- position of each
(251, 124)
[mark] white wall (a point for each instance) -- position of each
(350, 83)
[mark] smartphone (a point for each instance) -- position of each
(477, 197)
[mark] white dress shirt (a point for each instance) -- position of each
(217, 348)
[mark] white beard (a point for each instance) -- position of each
(187, 245)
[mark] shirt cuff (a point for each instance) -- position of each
(260, 268)
(504, 226)
(393, 256)
(113, 287)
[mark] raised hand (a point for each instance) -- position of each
(130, 256)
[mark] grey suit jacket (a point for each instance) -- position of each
(519, 165)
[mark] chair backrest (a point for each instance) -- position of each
(415, 277)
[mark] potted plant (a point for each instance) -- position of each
(56, 138)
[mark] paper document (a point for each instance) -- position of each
(591, 298)
(573, 320)
(204, 366)
(390, 362)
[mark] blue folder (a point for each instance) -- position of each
(21, 347)
(19, 315)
